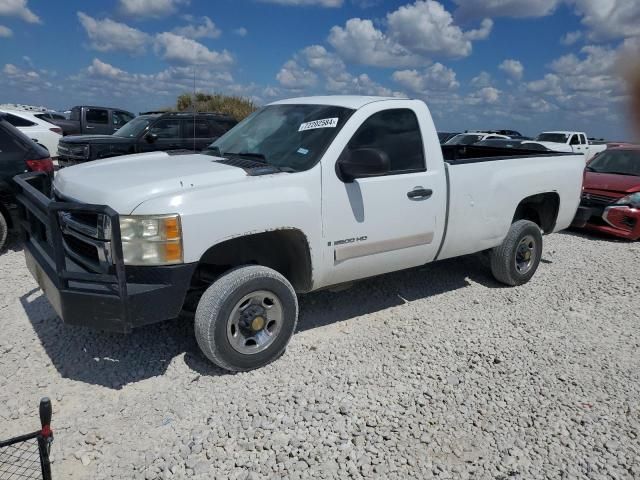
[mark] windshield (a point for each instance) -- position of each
(465, 139)
(135, 127)
(285, 136)
(553, 137)
(621, 162)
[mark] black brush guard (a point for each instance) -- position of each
(40, 223)
(105, 295)
(27, 456)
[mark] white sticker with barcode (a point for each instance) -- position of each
(324, 123)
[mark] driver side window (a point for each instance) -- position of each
(396, 133)
(575, 140)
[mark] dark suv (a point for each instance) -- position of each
(147, 133)
(18, 154)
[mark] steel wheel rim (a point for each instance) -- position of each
(261, 308)
(525, 255)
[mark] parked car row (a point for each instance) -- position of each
(18, 154)
(147, 133)
(611, 193)
(565, 142)
(41, 131)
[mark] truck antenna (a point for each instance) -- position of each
(194, 108)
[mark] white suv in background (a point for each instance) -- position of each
(43, 132)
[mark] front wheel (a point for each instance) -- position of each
(4, 231)
(516, 260)
(246, 318)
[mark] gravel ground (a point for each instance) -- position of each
(435, 372)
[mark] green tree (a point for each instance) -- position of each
(234, 106)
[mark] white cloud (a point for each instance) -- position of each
(5, 32)
(241, 32)
(483, 79)
(18, 8)
(415, 33)
(101, 69)
(107, 35)
(513, 68)
(470, 9)
(484, 96)
(295, 77)
(426, 27)
(571, 38)
(207, 29)
(551, 84)
(610, 19)
(315, 63)
(17, 74)
(437, 77)
(150, 8)
(360, 42)
(298, 3)
(179, 49)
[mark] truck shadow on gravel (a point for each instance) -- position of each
(113, 360)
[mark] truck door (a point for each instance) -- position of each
(96, 121)
(576, 145)
(392, 221)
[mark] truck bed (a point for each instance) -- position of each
(486, 185)
(461, 154)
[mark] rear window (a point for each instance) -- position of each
(18, 121)
(9, 143)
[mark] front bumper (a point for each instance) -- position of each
(618, 220)
(112, 296)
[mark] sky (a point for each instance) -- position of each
(528, 65)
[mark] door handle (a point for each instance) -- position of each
(419, 193)
(89, 126)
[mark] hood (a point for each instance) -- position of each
(611, 182)
(83, 139)
(125, 182)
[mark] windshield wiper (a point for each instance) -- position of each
(257, 156)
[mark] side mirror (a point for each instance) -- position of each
(362, 163)
(151, 137)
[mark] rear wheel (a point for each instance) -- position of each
(516, 260)
(246, 318)
(4, 231)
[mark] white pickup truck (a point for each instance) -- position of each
(302, 195)
(569, 142)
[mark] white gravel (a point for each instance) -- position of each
(435, 372)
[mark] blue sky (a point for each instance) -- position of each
(531, 65)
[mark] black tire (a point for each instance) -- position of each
(4, 231)
(216, 306)
(504, 264)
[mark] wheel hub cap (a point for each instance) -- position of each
(255, 322)
(525, 254)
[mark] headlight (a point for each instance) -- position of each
(632, 200)
(151, 240)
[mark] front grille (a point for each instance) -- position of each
(82, 249)
(594, 200)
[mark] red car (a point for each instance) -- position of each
(611, 193)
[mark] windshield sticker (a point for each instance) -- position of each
(303, 151)
(324, 123)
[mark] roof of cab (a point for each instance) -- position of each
(347, 101)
